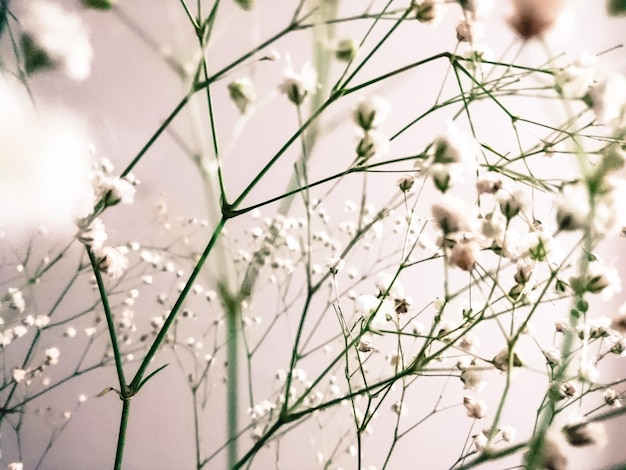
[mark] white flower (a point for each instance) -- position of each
(119, 190)
(52, 356)
(473, 379)
(575, 79)
(242, 93)
(608, 98)
(454, 156)
(478, 8)
(587, 371)
(469, 31)
(372, 146)
(476, 409)
(335, 264)
(602, 279)
(454, 146)
(612, 398)
(512, 202)
(383, 284)
(429, 11)
(112, 261)
(453, 215)
(464, 254)
(298, 86)
(61, 35)
(15, 299)
(469, 343)
(508, 434)
(572, 207)
(92, 235)
(371, 112)
(15, 466)
(43, 180)
(19, 375)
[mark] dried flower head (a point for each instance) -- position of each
(533, 18)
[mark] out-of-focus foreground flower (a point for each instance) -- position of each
(44, 164)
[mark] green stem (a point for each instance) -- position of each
(110, 323)
(121, 437)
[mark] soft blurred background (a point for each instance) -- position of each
(142, 51)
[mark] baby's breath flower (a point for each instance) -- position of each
(299, 86)
(587, 371)
(53, 37)
(371, 112)
(464, 254)
(453, 215)
(346, 50)
(501, 360)
(469, 31)
(612, 398)
(477, 8)
(112, 261)
(373, 145)
(117, 190)
(52, 356)
(399, 408)
(19, 375)
(489, 184)
(607, 98)
(575, 79)
(92, 235)
(512, 202)
(335, 264)
(554, 451)
(406, 183)
(15, 299)
(476, 409)
(508, 434)
(473, 379)
(429, 11)
(242, 93)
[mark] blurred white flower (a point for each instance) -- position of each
(575, 79)
(44, 164)
(429, 11)
(371, 112)
(476, 409)
(52, 356)
(61, 35)
(298, 86)
(477, 8)
(608, 98)
(242, 93)
(112, 261)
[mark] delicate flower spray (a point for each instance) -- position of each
(403, 288)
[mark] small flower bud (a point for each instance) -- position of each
(371, 112)
(346, 50)
(242, 93)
